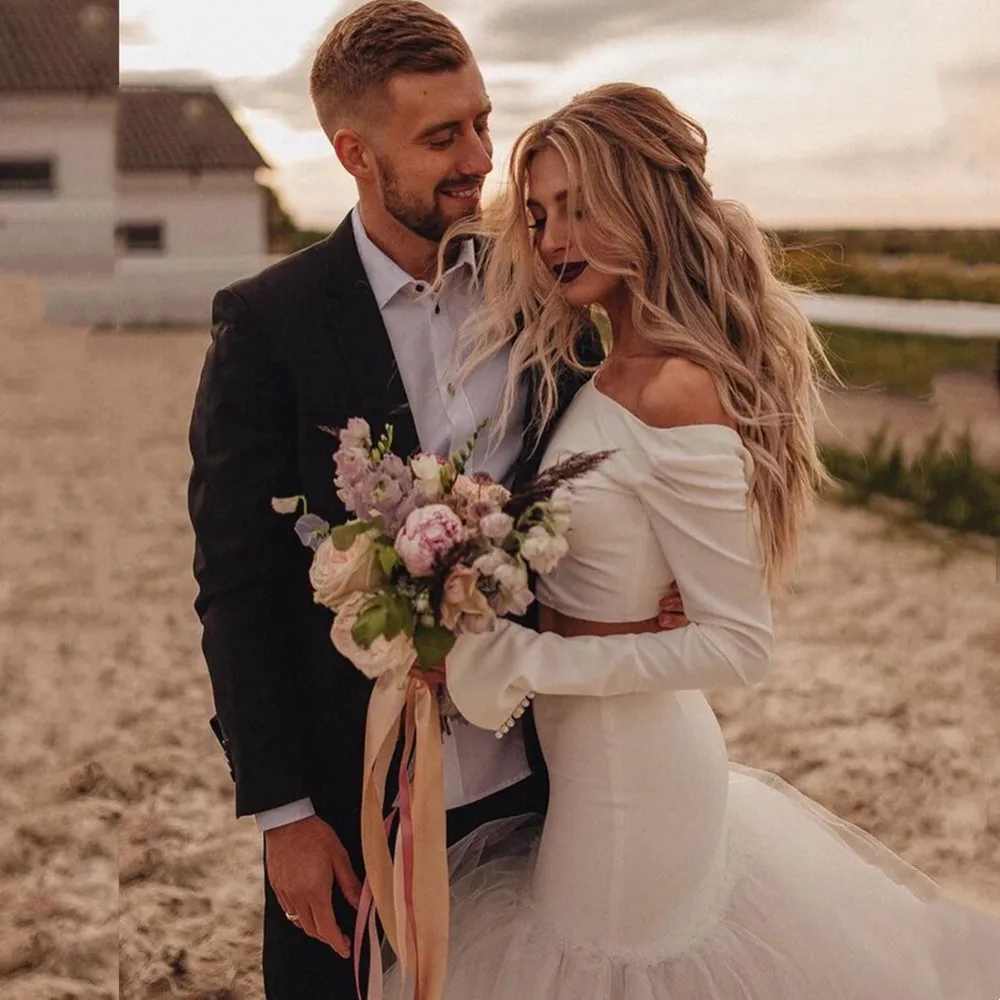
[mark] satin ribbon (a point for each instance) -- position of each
(408, 892)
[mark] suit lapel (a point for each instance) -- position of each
(367, 357)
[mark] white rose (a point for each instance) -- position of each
(496, 527)
(336, 575)
(512, 576)
(426, 471)
(397, 655)
(543, 550)
(426, 467)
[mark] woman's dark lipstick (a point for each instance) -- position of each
(569, 270)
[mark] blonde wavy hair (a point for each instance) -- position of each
(700, 277)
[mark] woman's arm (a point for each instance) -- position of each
(692, 483)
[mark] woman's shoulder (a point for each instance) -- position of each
(677, 392)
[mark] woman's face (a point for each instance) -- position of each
(556, 240)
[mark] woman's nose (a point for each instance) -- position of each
(553, 242)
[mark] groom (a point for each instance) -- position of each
(341, 329)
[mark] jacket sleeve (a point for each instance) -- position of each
(243, 446)
(696, 502)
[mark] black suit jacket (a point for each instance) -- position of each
(299, 346)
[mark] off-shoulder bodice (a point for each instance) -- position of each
(616, 569)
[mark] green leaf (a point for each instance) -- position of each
(371, 623)
(399, 616)
(388, 559)
(432, 643)
(343, 535)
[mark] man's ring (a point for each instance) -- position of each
(293, 918)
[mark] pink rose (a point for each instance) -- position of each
(336, 575)
(463, 599)
(429, 533)
(396, 655)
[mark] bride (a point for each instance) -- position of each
(662, 871)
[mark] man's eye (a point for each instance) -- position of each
(483, 127)
(444, 143)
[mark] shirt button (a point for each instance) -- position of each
(421, 289)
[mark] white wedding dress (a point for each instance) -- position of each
(662, 871)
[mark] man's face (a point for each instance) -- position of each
(433, 148)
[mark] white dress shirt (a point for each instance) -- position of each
(423, 330)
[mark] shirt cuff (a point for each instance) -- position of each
(283, 815)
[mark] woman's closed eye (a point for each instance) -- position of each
(538, 225)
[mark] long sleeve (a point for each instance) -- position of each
(696, 504)
(243, 445)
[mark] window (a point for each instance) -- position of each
(26, 175)
(142, 237)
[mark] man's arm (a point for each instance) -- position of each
(243, 445)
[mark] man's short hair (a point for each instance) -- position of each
(370, 45)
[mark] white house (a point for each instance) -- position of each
(132, 204)
(189, 213)
(185, 186)
(58, 74)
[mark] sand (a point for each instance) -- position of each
(122, 868)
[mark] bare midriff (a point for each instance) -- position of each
(550, 620)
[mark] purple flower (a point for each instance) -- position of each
(351, 465)
(357, 434)
(311, 529)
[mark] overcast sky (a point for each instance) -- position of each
(836, 112)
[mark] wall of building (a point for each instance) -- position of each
(69, 229)
(148, 292)
(214, 214)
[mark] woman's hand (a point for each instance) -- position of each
(672, 610)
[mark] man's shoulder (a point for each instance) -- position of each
(302, 280)
(298, 277)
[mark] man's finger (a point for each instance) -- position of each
(303, 911)
(327, 929)
(350, 884)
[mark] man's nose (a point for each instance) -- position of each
(477, 156)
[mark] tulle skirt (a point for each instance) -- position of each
(814, 909)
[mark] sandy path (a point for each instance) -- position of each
(115, 805)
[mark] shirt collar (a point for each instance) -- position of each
(385, 276)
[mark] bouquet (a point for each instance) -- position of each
(431, 553)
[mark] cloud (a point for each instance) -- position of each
(550, 31)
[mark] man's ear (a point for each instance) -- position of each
(354, 155)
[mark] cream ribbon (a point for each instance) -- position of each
(410, 891)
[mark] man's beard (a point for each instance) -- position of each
(427, 221)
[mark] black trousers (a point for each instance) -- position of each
(298, 967)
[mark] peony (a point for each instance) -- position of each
(397, 654)
(429, 533)
(543, 550)
(462, 599)
(496, 527)
(337, 575)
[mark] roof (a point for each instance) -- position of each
(180, 128)
(58, 46)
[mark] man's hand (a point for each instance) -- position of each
(304, 860)
(672, 610)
